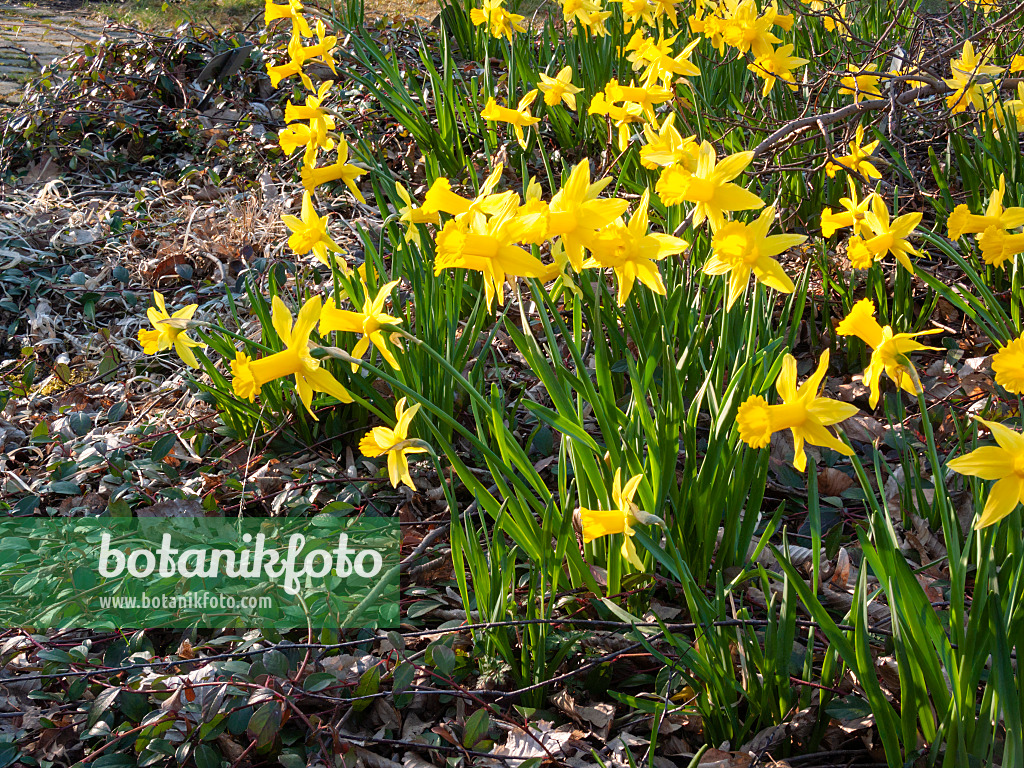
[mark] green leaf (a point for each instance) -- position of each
(65, 487)
(476, 728)
(369, 685)
(162, 447)
(444, 658)
(849, 707)
(206, 757)
(318, 681)
(101, 705)
(265, 724)
(276, 663)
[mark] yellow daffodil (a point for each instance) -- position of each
(885, 238)
(665, 146)
(998, 246)
(291, 10)
(631, 251)
(963, 222)
(366, 322)
(667, 9)
(967, 89)
(441, 199)
(487, 245)
(740, 249)
(396, 444)
(410, 215)
(621, 115)
(575, 212)
(169, 331)
(801, 411)
(777, 64)
(323, 49)
(635, 12)
(313, 110)
(518, 118)
(891, 352)
(657, 59)
(1008, 366)
(710, 186)
(863, 85)
(312, 135)
(1011, 111)
(310, 233)
(500, 23)
(607, 522)
(296, 57)
(746, 30)
(859, 159)
(1004, 463)
(824, 11)
(250, 375)
(853, 215)
(559, 88)
(648, 95)
(340, 169)
(588, 13)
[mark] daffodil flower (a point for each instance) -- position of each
(250, 375)
(710, 186)
(575, 212)
(739, 249)
(853, 215)
(340, 169)
(963, 222)
(500, 23)
(801, 411)
(309, 233)
(648, 96)
(559, 88)
(890, 351)
(441, 198)
(657, 59)
(966, 88)
(622, 115)
(169, 331)
(667, 9)
(998, 246)
(636, 11)
(859, 159)
(1008, 366)
(518, 118)
(746, 30)
(396, 444)
(366, 322)
(312, 136)
(292, 67)
(1004, 463)
(587, 12)
(607, 522)
(777, 64)
(488, 245)
(631, 251)
(886, 237)
(291, 10)
(411, 215)
(862, 85)
(666, 147)
(324, 48)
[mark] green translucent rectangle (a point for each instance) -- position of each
(208, 573)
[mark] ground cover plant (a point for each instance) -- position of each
(683, 338)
